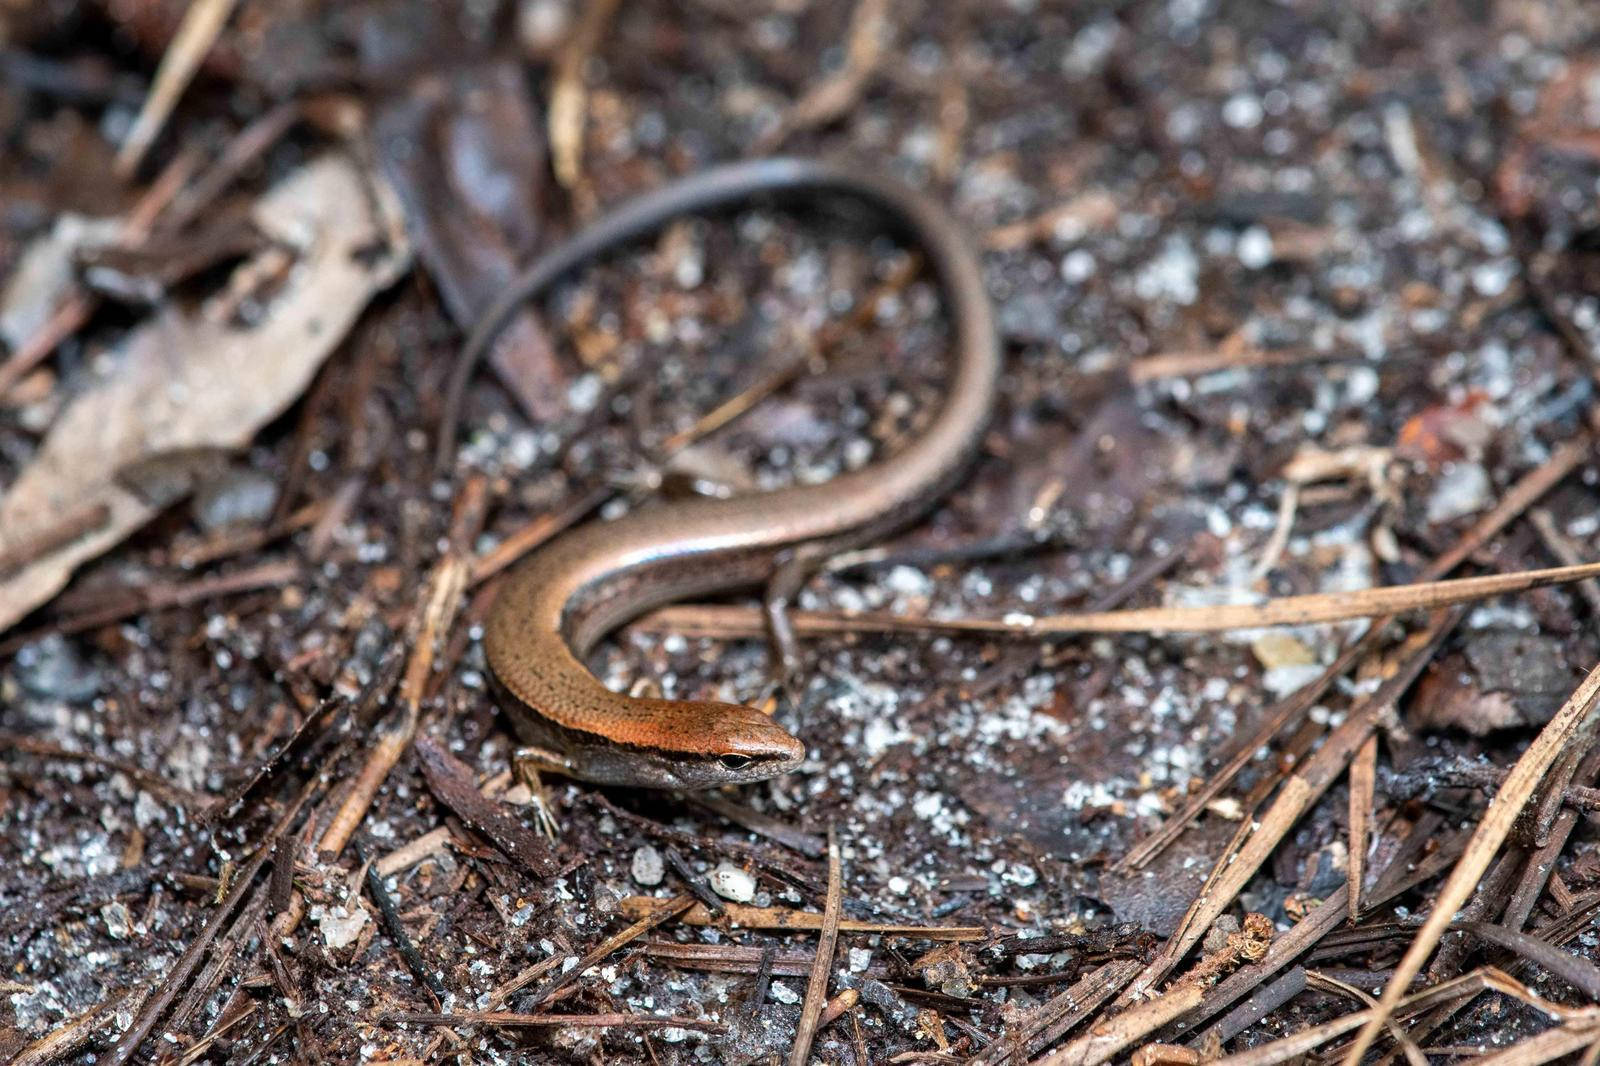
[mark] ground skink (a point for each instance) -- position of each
(562, 599)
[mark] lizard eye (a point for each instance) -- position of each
(734, 762)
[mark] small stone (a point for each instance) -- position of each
(340, 925)
(52, 668)
(1254, 248)
(1217, 936)
(732, 883)
(239, 499)
(119, 923)
(648, 868)
(1276, 648)
(1461, 490)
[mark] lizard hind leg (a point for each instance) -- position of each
(527, 763)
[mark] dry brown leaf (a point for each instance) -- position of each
(184, 382)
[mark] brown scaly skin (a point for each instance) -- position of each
(565, 596)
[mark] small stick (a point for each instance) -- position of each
(202, 23)
(498, 996)
(536, 533)
(408, 855)
(163, 596)
(571, 1021)
(807, 844)
(1197, 364)
(55, 1045)
(569, 100)
(395, 927)
(727, 958)
(836, 1007)
(44, 749)
(1363, 773)
(177, 978)
(784, 919)
(702, 891)
(1312, 609)
(248, 145)
(75, 309)
(1054, 1018)
(230, 544)
(68, 318)
(1273, 722)
(827, 942)
(834, 96)
(1565, 551)
(1574, 719)
(671, 908)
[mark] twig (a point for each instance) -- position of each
(202, 22)
(1430, 775)
(429, 626)
(1105, 1039)
(827, 941)
(164, 596)
(248, 145)
(1576, 970)
(193, 801)
(783, 919)
(1565, 552)
(61, 1041)
(1459, 988)
(1363, 773)
(671, 908)
(67, 319)
(1568, 724)
(1258, 1006)
(1254, 843)
(1312, 609)
(1052, 1020)
(1302, 789)
(836, 94)
(395, 927)
(499, 995)
(807, 844)
(1091, 210)
(569, 97)
(709, 901)
(177, 978)
(508, 1019)
(1273, 722)
(75, 309)
(1540, 864)
(536, 533)
(1196, 364)
(409, 854)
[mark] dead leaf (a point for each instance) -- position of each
(44, 274)
(184, 382)
(1446, 433)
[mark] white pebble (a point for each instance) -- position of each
(340, 925)
(732, 883)
(1077, 266)
(1242, 112)
(1255, 248)
(648, 868)
(1462, 489)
